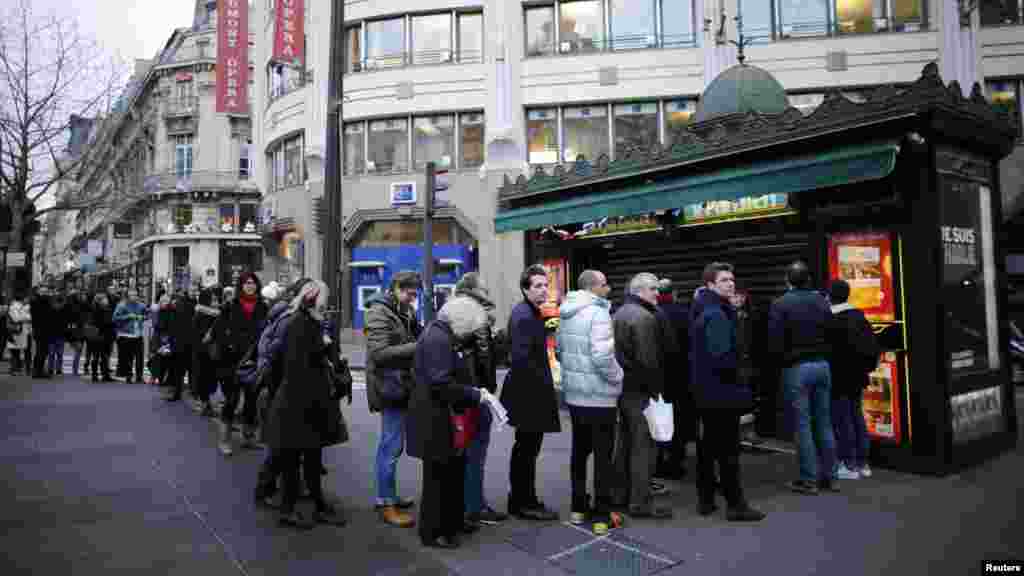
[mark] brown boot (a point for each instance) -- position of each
(392, 515)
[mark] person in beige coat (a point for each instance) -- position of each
(19, 329)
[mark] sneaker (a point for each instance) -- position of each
(803, 487)
(658, 489)
(577, 518)
(744, 514)
(395, 517)
(865, 471)
(844, 473)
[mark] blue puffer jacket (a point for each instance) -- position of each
(591, 376)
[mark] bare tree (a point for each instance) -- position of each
(48, 72)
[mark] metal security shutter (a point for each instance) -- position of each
(760, 262)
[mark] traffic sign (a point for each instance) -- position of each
(440, 180)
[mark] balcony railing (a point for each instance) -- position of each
(223, 180)
(188, 106)
(282, 88)
(416, 58)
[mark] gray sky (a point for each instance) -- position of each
(128, 28)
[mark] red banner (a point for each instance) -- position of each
(289, 32)
(233, 56)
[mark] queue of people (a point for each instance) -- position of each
(435, 387)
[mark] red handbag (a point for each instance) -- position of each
(464, 427)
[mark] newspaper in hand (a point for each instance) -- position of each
(499, 415)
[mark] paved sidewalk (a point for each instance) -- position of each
(107, 478)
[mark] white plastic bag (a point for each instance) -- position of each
(659, 419)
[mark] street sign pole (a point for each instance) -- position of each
(428, 244)
(332, 267)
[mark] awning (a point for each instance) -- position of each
(837, 167)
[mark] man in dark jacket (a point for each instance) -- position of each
(42, 326)
(720, 399)
(639, 350)
(391, 333)
(676, 325)
(854, 355)
(528, 395)
(184, 337)
(798, 335)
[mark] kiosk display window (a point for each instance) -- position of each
(865, 262)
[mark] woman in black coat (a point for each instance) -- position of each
(205, 371)
(305, 413)
(98, 361)
(237, 330)
(444, 384)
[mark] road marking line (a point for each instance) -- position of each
(654, 557)
(575, 549)
(188, 503)
(607, 538)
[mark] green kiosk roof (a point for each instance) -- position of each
(834, 168)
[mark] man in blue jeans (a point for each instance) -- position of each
(391, 333)
(798, 333)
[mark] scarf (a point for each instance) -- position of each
(248, 304)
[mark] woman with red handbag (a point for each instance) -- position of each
(442, 423)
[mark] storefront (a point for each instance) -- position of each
(237, 256)
(897, 194)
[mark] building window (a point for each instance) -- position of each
(799, 18)
(542, 136)
(757, 20)
(633, 24)
(354, 144)
(1006, 96)
(678, 115)
(183, 155)
(584, 132)
(247, 217)
(385, 43)
(471, 139)
(434, 139)
(866, 16)
(432, 39)
(678, 24)
(471, 37)
(806, 103)
(636, 126)
(540, 30)
(353, 49)
(1001, 12)
(283, 79)
(580, 26)
(182, 215)
(388, 146)
(244, 150)
(183, 90)
(226, 220)
(293, 162)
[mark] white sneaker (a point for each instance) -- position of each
(865, 471)
(844, 473)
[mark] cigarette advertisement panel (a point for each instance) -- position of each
(556, 268)
(881, 399)
(864, 260)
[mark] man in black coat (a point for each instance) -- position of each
(42, 328)
(184, 337)
(528, 395)
(639, 350)
(675, 324)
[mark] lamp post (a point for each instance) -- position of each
(332, 271)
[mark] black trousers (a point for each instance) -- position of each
(593, 432)
(672, 455)
(129, 355)
(98, 360)
(635, 451)
(441, 500)
(719, 443)
(180, 364)
(522, 469)
(16, 361)
(42, 347)
(288, 462)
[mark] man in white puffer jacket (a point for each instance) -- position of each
(592, 384)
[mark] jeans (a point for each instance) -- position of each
(476, 458)
(55, 355)
(852, 442)
(389, 450)
(78, 346)
(809, 398)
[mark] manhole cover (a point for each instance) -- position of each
(578, 551)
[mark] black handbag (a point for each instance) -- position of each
(336, 431)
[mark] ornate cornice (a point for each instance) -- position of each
(743, 132)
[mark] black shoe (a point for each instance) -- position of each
(489, 516)
(536, 511)
(296, 520)
(446, 542)
(469, 526)
(828, 485)
(650, 511)
(264, 496)
(803, 487)
(707, 509)
(173, 398)
(327, 514)
(744, 513)
(405, 504)
(658, 489)
(323, 470)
